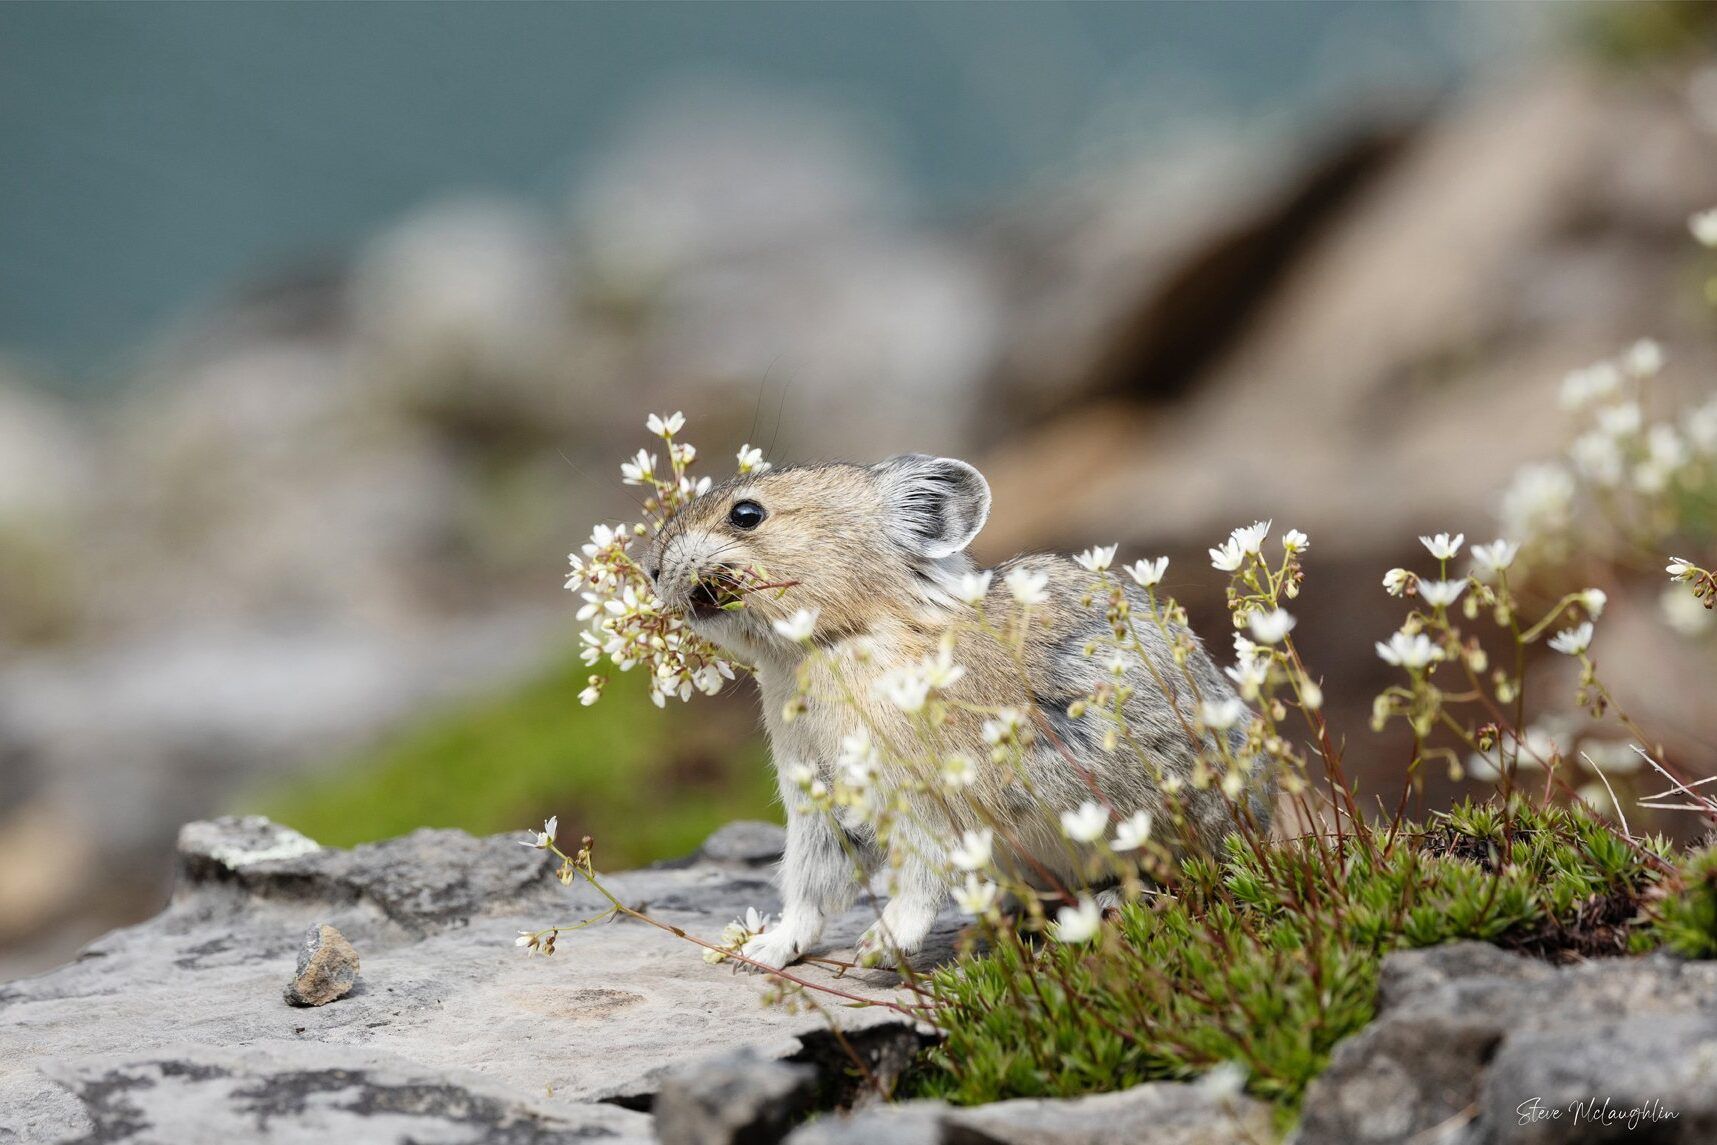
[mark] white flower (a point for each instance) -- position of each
(1594, 599)
(601, 537)
(941, 671)
(1684, 612)
(1704, 227)
(1612, 757)
(1007, 725)
(1097, 558)
(906, 688)
(1598, 458)
(639, 471)
(858, 759)
(1075, 924)
(542, 839)
(1548, 740)
(1651, 477)
(1621, 420)
(1294, 541)
(974, 587)
(1654, 474)
(1087, 824)
(1700, 426)
(665, 427)
(857, 748)
(1441, 593)
(590, 695)
(799, 627)
(973, 851)
(1644, 359)
(1220, 715)
(708, 679)
(1232, 785)
(1027, 586)
(1148, 573)
(1241, 543)
(1538, 500)
(1133, 831)
(1573, 641)
(799, 774)
(734, 934)
(1666, 447)
(1250, 674)
(1227, 556)
(1596, 796)
(975, 897)
(1250, 538)
(1442, 546)
(958, 771)
(1680, 568)
(1224, 1083)
(751, 460)
(1485, 766)
(1488, 560)
(1270, 627)
(1395, 581)
(1588, 384)
(1411, 652)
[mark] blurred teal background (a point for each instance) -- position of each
(157, 153)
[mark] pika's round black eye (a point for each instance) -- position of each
(746, 514)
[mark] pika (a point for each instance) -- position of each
(878, 552)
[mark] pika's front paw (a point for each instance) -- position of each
(877, 948)
(773, 948)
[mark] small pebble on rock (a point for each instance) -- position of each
(327, 968)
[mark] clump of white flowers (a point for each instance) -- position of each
(626, 623)
(1623, 474)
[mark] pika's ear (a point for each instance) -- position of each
(935, 505)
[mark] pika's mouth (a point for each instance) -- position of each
(723, 589)
(714, 593)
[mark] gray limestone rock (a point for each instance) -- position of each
(174, 1029)
(731, 1100)
(1474, 1046)
(1157, 1113)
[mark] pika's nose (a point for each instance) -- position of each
(654, 573)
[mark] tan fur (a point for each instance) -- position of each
(834, 532)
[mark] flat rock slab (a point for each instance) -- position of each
(176, 1029)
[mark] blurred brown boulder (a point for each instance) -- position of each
(1405, 361)
(1394, 370)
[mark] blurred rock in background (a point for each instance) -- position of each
(336, 503)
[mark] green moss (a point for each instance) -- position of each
(646, 784)
(1688, 922)
(1643, 33)
(1270, 957)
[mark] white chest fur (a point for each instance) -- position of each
(840, 699)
